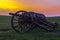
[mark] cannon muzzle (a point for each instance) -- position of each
(11, 13)
(14, 14)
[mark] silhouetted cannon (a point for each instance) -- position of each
(23, 21)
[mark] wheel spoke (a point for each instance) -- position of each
(15, 19)
(15, 24)
(19, 28)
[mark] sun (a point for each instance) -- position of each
(10, 5)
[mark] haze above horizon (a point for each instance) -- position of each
(47, 7)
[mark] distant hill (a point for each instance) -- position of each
(4, 15)
(56, 17)
(48, 17)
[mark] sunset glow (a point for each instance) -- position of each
(47, 7)
(10, 5)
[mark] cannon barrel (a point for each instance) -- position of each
(14, 14)
(11, 14)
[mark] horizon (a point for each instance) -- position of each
(45, 15)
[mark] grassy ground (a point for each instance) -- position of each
(36, 34)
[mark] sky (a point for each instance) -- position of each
(46, 7)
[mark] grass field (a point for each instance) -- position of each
(36, 34)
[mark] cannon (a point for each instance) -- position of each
(23, 21)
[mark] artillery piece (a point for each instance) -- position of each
(23, 21)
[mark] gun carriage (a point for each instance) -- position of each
(23, 21)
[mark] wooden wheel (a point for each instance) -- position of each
(16, 23)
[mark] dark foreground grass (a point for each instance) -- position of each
(36, 34)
